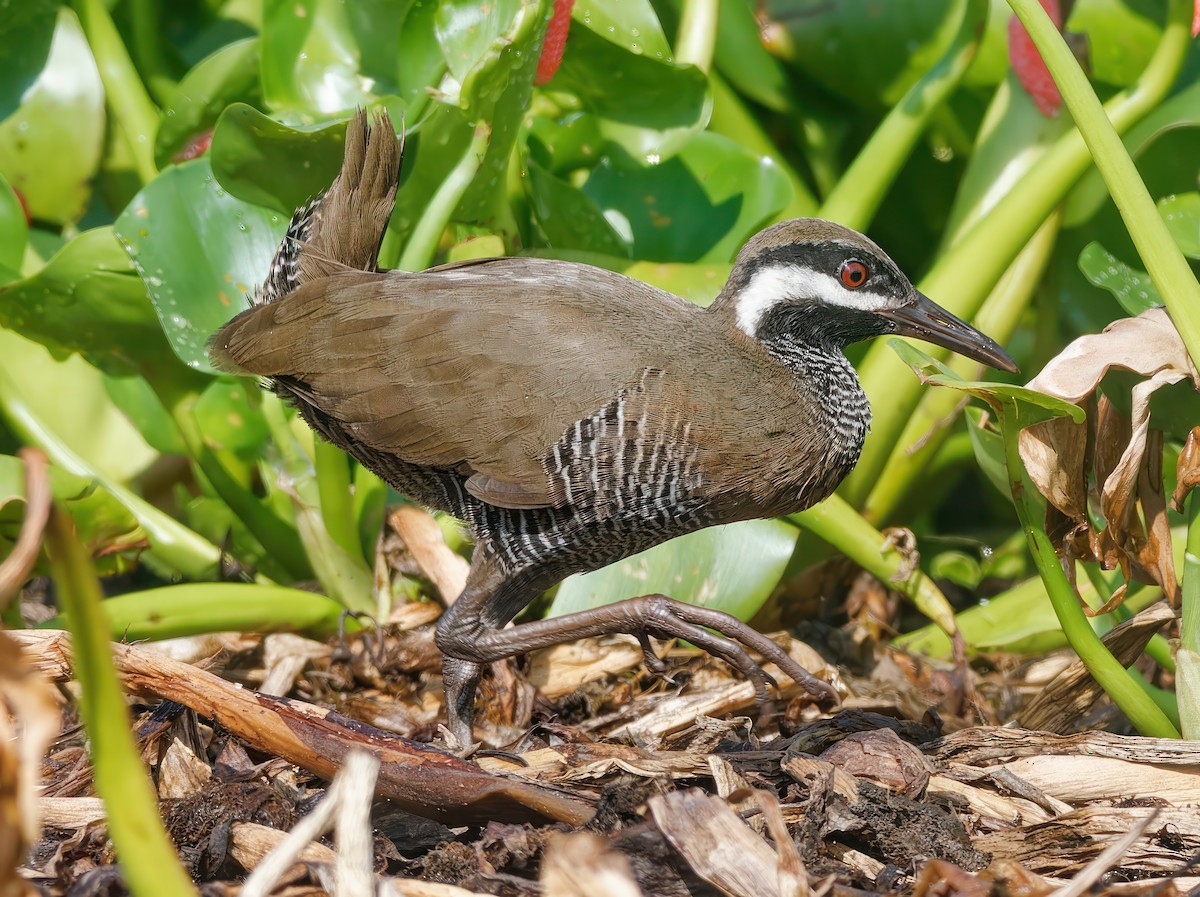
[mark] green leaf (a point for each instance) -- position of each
(957, 566)
(26, 27)
(701, 204)
(632, 25)
(1132, 288)
(88, 300)
(73, 401)
(568, 218)
(50, 147)
(634, 89)
(988, 446)
(1030, 406)
(199, 250)
(228, 76)
(262, 162)
(733, 568)
(310, 58)
(228, 418)
(1181, 212)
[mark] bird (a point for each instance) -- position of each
(572, 416)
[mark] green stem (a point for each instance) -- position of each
(841, 526)
(148, 859)
(929, 425)
(124, 92)
(148, 46)
(1164, 262)
(422, 245)
(697, 33)
(1187, 658)
(859, 192)
(1126, 693)
(343, 574)
(335, 495)
(964, 275)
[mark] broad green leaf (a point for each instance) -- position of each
(1121, 37)
(275, 166)
(957, 566)
(625, 87)
(230, 75)
(568, 218)
(199, 251)
(14, 231)
(89, 300)
(26, 28)
(466, 31)
(701, 204)
(50, 147)
(632, 25)
(1181, 212)
(228, 418)
(1132, 288)
(989, 451)
(399, 50)
(733, 568)
(72, 399)
(310, 59)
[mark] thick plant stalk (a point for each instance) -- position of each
(148, 859)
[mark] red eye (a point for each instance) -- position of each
(854, 274)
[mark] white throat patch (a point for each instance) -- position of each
(778, 284)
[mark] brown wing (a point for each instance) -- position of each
(481, 369)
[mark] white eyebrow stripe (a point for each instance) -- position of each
(779, 283)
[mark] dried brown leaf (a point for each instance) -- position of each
(1187, 471)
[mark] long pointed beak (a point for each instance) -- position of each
(928, 321)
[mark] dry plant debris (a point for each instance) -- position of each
(610, 782)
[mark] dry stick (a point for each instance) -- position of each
(15, 569)
(356, 777)
(1082, 883)
(416, 777)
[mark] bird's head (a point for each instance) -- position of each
(817, 284)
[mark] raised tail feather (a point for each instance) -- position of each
(339, 230)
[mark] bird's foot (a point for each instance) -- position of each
(721, 635)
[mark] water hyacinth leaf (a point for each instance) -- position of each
(260, 161)
(745, 62)
(59, 128)
(141, 405)
(1132, 288)
(632, 26)
(87, 299)
(310, 59)
(1181, 212)
(699, 205)
(568, 218)
(400, 51)
(14, 231)
(229, 419)
(626, 87)
(466, 31)
(26, 28)
(988, 447)
(228, 76)
(72, 400)
(199, 250)
(733, 568)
